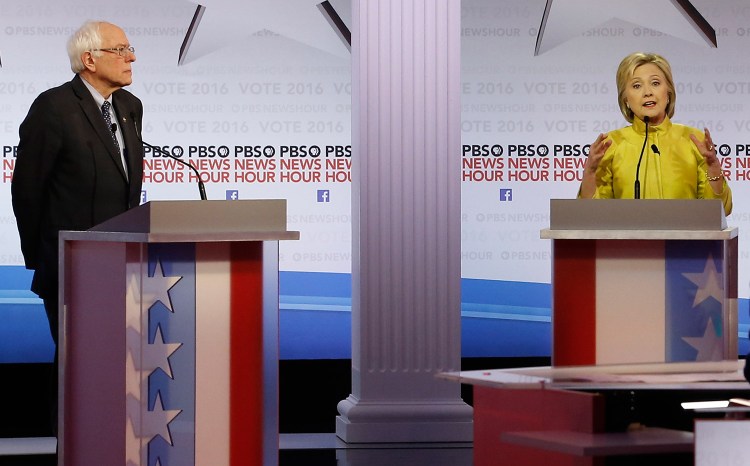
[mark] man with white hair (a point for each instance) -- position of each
(80, 159)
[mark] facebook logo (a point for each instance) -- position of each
(506, 194)
(232, 194)
(144, 198)
(324, 195)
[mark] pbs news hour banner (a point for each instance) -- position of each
(259, 101)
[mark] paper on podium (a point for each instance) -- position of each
(604, 376)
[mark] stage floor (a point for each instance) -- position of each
(321, 449)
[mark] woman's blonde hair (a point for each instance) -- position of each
(625, 73)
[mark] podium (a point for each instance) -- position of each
(169, 336)
(642, 281)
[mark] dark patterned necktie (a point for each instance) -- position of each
(108, 119)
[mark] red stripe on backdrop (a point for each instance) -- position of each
(246, 366)
(574, 302)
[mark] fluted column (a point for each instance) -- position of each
(406, 203)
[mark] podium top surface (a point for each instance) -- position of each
(726, 234)
(187, 221)
(637, 219)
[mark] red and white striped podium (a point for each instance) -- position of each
(169, 336)
(639, 281)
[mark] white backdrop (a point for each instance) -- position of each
(261, 104)
(550, 106)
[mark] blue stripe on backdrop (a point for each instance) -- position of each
(498, 318)
(24, 331)
(14, 278)
(505, 318)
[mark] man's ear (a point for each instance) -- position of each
(88, 61)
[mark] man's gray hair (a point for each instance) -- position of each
(87, 37)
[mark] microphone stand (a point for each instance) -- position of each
(637, 186)
(201, 186)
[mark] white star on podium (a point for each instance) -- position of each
(156, 422)
(220, 23)
(156, 355)
(156, 288)
(132, 445)
(142, 359)
(708, 346)
(566, 19)
(133, 376)
(708, 283)
(132, 295)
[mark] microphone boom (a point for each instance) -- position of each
(201, 186)
(637, 185)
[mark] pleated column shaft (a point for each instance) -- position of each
(406, 202)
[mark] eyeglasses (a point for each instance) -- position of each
(121, 51)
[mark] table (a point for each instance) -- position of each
(558, 415)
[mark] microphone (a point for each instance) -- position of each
(113, 128)
(637, 186)
(201, 187)
(655, 149)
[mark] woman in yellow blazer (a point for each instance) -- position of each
(678, 162)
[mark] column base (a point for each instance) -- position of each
(404, 422)
(437, 455)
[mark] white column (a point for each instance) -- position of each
(406, 211)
